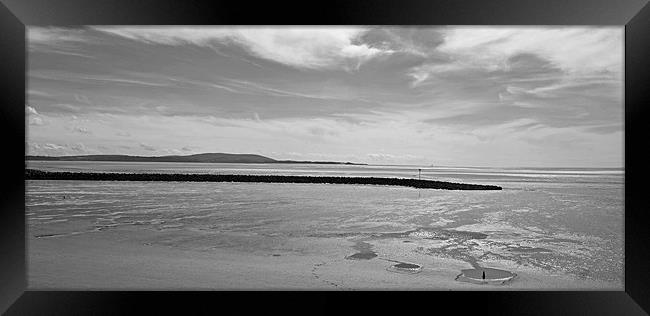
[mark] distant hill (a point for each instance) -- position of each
(205, 158)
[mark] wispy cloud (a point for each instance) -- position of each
(33, 118)
(90, 79)
(574, 49)
(62, 41)
(302, 47)
(81, 130)
(147, 147)
(51, 146)
(267, 90)
(31, 110)
(55, 35)
(37, 93)
(37, 121)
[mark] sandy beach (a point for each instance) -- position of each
(143, 259)
(144, 235)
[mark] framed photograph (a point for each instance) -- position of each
(437, 152)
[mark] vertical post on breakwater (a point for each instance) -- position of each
(419, 178)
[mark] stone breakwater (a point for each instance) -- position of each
(31, 174)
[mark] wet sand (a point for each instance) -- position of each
(136, 258)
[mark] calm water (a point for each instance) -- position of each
(558, 220)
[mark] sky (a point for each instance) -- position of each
(448, 95)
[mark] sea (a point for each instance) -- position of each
(559, 220)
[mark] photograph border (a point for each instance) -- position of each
(16, 15)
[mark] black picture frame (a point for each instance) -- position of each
(16, 299)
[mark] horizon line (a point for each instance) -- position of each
(421, 166)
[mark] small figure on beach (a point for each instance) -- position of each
(483, 274)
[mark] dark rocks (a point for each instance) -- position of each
(31, 174)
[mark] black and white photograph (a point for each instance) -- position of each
(465, 158)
